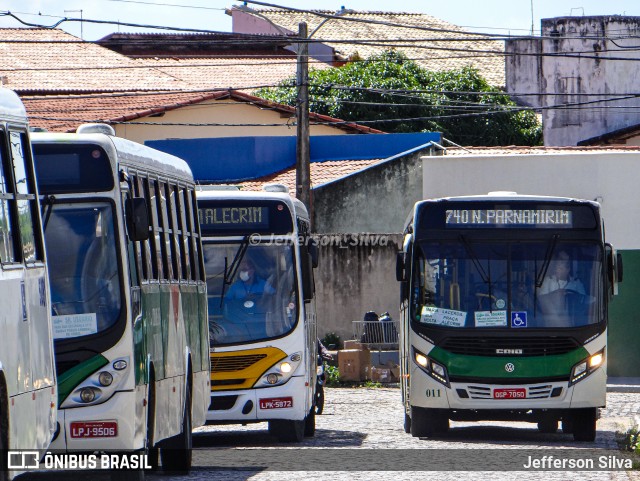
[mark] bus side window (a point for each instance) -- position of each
(173, 224)
(142, 247)
(6, 230)
(25, 196)
(197, 263)
(178, 204)
(186, 235)
(164, 230)
(156, 264)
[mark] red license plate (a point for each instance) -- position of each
(513, 393)
(276, 403)
(94, 429)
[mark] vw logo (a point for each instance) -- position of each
(509, 367)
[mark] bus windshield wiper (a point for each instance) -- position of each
(486, 277)
(547, 260)
(230, 271)
(48, 201)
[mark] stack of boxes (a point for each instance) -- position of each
(356, 363)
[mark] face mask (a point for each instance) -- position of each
(244, 276)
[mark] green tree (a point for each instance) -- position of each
(401, 96)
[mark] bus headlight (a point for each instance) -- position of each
(100, 386)
(586, 367)
(434, 369)
(280, 372)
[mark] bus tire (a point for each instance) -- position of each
(428, 422)
(567, 424)
(152, 451)
(584, 424)
(310, 424)
(548, 426)
(176, 451)
(407, 423)
(286, 430)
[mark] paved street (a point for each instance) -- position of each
(371, 419)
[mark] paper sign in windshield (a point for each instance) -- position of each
(74, 325)
(491, 318)
(443, 317)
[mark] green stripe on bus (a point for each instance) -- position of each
(74, 376)
(459, 365)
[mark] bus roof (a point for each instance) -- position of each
(11, 107)
(225, 194)
(131, 154)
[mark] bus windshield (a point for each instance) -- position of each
(251, 291)
(83, 268)
(508, 285)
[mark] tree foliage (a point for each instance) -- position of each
(408, 98)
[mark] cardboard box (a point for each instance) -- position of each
(381, 374)
(353, 364)
(353, 344)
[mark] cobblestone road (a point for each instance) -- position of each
(371, 420)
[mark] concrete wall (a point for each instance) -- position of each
(216, 111)
(356, 274)
(378, 199)
(545, 65)
(611, 179)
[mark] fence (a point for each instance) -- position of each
(376, 334)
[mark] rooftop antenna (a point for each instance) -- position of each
(81, 22)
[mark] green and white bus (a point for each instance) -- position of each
(27, 375)
(259, 260)
(504, 312)
(128, 294)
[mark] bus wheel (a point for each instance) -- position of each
(407, 423)
(176, 451)
(310, 424)
(286, 430)
(584, 424)
(548, 425)
(4, 461)
(567, 424)
(428, 422)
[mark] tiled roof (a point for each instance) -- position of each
(321, 173)
(36, 60)
(65, 113)
(441, 48)
(228, 72)
(522, 150)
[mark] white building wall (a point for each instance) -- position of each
(577, 56)
(611, 179)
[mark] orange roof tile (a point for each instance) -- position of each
(441, 48)
(46, 60)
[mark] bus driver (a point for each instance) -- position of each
(559, 285)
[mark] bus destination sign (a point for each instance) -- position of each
(536, 218)
(233, 218)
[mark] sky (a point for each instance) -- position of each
(495, 16)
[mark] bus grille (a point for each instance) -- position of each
(234, 363)
(533, 392)
(490, 346)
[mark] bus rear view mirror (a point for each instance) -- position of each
(137, 218)
(313, 252)
(401, 275)
(619, 269)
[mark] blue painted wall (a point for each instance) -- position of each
(244, 158)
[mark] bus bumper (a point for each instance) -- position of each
(428, 393)
(121, 408)
(264, 404)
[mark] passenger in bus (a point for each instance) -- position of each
(560, 292)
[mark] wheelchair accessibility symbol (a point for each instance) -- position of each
(519, 319)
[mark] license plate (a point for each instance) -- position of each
(513, 393)
(276, 403)
(94, 429)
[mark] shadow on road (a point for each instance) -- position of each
(244, 438)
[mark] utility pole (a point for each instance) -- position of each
(303, 169)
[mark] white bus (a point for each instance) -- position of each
(504, 312)
(258, 260)
(128, 294)
(27, 375)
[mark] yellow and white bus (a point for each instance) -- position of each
(27, 375)
(504, 312)
(259, 262)
(128, 294)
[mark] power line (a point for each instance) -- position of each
(168, 5)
